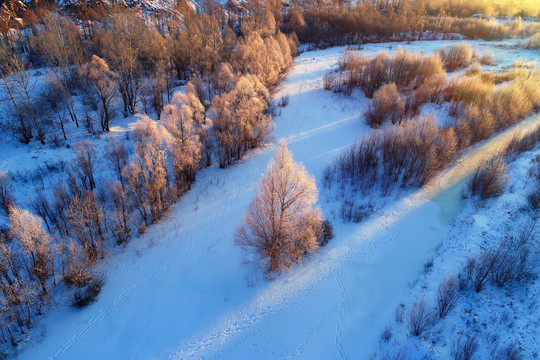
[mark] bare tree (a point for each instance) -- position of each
(240, 122)
(103, 81)
(185, 145)
(281, 224)
(83, 166)
(86, 220)
(147, 173)
(17, 84)
(59, 40)
(121, 207)
(6, 199)
(36, 250)
(122, 44)
(117, 156)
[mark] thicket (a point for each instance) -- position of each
(332, 23)
(118, 63)
(412, 149)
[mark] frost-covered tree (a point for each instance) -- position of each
(103, 82)
(34, 243)
(240, 122)
(281, 224)
(82, 167)
(147, 173)
(87, 223)
(16, 85)
(185, 144)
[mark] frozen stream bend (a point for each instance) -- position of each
(180, 291)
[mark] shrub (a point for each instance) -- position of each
(475, 69)
(6, 199)
(374, 74)
(512, 103)
(430, 91)
(387, 105)
(487, 58)
(87, 294)
(533, 199)
(533, 42)
(480, 123)
(478, 269)
(405, 155)
(510, 352)
(447, 296)
(327, 233)
(407, 70)
(489, 179)
(512, 262)
(386, 334)
(456, 56)
(506, 262)
(284, 101)
(469, 90)
(464, 347)
(419, 317)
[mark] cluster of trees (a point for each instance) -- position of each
(117, 57)
(337, 23)
(485, 7)
(223, 112)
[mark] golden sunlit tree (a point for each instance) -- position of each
(282, 224)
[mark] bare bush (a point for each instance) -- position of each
(533, 42)
(478, 269)
(419, 317)
(469, 90)
(326, 234)
(386, 334)
(514, 101)
(284, 101)
(487, 58)
(83, 296)
(281, 224)
(464, 347)
(447, 296)
(76, 268)
(6, 199)
(512, 263)
(405, 155)
(456, 56)
(478, 122)
(387, 105)
(490, 178)
(510, 352)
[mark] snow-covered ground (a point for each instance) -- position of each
(498, 317)
(180, 290)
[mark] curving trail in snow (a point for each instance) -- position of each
(180, 291)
